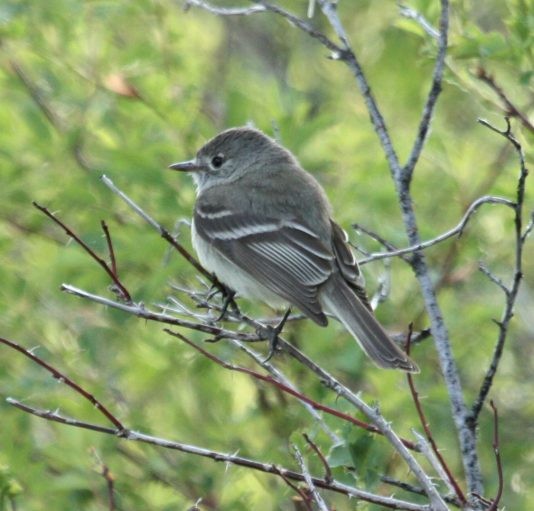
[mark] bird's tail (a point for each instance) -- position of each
(338, 299)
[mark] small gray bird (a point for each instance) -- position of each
(264, 227)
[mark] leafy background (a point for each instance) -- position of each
(125, 88)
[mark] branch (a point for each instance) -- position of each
(269, 468)
(510, 109)
(349, 57)
(371, 413)
(223, 11)
(315, 495)
(123, 292)
(327, 470)
(432, 98)
(496, 450)
(62, 378)
(284, 388)
(456, 230)
(511, 291)
(141, 311)
(426, 428)
(408, 12)
(415, 489)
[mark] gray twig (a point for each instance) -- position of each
(315, 495)
(512, 290)
(410, 13)
(458, 229)
(224, 11)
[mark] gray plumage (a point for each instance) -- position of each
(263, 225)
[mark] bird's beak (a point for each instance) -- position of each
(186, 166)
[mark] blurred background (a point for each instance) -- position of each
(125, 88)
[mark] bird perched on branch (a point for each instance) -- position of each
(263, 226)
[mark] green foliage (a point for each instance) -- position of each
(125, 88)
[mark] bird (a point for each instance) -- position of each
(263, 226)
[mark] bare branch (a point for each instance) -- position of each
(105, 472)
(282, 387)
(327, 470)
(141, 311)
(511, 291)
(451, 481)
(415, 489)
(109, 242)
(62, 378)
(349, 57)
(223, 11)
(315, 495)
(279, 376)
(269, 468)
(496, 280)
(123, 292)
(456, 230)
(408, 12)
(509, 107)
(432, 98)
(305, 27)
(496, 450)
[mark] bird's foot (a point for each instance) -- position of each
(228, 297)
(272, 334)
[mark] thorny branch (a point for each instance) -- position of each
(59, 376)
(372, 414)
(426, 427)
(284, 388)
(315, 495)
(122, 291)
(120, 431)
(511, 291)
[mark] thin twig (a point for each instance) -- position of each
(141, 311)
(349, 57)
(432, 98)
(62, 378)
(123, 292)
(105, 472)
(304, 26)
(458, 229)
(510, 109)
(327, 470)
(424, 423)
(511, 291)
(315, 495)
(410, 13)
(415, 489)
(111, 252)
(279, 376)
(498, 461)
(164, 233)
(223, 11)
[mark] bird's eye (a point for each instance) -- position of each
(217, 161)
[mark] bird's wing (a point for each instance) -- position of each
(285, 256)
(347, 264)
